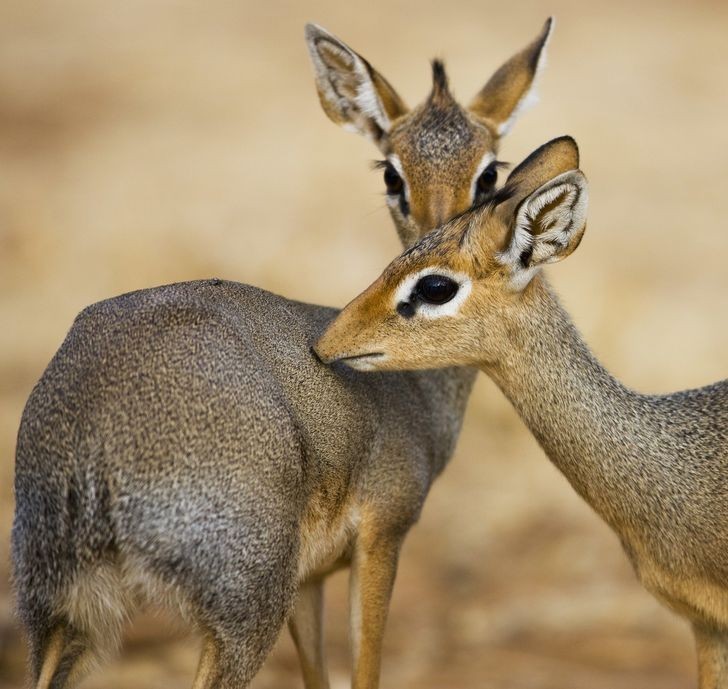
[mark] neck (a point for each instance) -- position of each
(591, 427)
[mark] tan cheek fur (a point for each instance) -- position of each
(370, 323)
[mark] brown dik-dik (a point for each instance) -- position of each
(655, 468)
(440, 157)
(184, 445)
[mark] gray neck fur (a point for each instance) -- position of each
(652, 466)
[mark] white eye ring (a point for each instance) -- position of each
(404, 291)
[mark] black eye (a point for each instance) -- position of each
(436, 289)
(487, 179)
(394, 182)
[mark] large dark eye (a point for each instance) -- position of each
(487, 179)
(436, 289)
(392, 180)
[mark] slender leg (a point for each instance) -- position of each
(712, 647)
(372, 577)
(51, 659)
(66, 659)
(306, 627)
(207, 671)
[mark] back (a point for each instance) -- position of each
(156, 381)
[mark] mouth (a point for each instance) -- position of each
(359, 357)
(361, 362)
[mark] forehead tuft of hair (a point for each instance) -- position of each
(439, 129)
(435, 244)
(440, 94)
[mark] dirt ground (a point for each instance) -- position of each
(145, 142)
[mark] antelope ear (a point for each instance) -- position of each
(511, 90)
(547, 225)
(352, 93)
(548, 161)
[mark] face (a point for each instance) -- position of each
(457, 296)
(439, 158)
(439, 161)
(425, 311)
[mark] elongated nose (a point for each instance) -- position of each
(437, 207)
(442, 207)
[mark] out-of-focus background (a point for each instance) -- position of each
(145, 142)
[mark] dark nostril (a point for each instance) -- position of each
(404, 308)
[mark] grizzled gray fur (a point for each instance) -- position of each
(183, 435)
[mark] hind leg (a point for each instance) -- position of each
(239, 637)
(47, 664)
(712, 647)
(237, 587)
(225, 666)
(64, 660)
(69, 631)
(208, 672)
(231, 661)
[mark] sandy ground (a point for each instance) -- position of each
(147, 142)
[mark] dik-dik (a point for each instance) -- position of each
(184, 445)
(654, 467)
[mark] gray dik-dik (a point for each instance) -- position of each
(654, 467)
(184, 445)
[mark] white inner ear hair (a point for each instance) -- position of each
(450, 308)
(543, 233)
(365, 98)
(329, 76)
(556, 224)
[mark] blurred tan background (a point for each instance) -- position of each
(145, 142)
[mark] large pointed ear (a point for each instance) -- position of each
(352, 93)
(546, 162)
(511, 90)
(547, 225)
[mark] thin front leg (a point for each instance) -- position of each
(306, 627)
(712, 646)
(372, 577)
